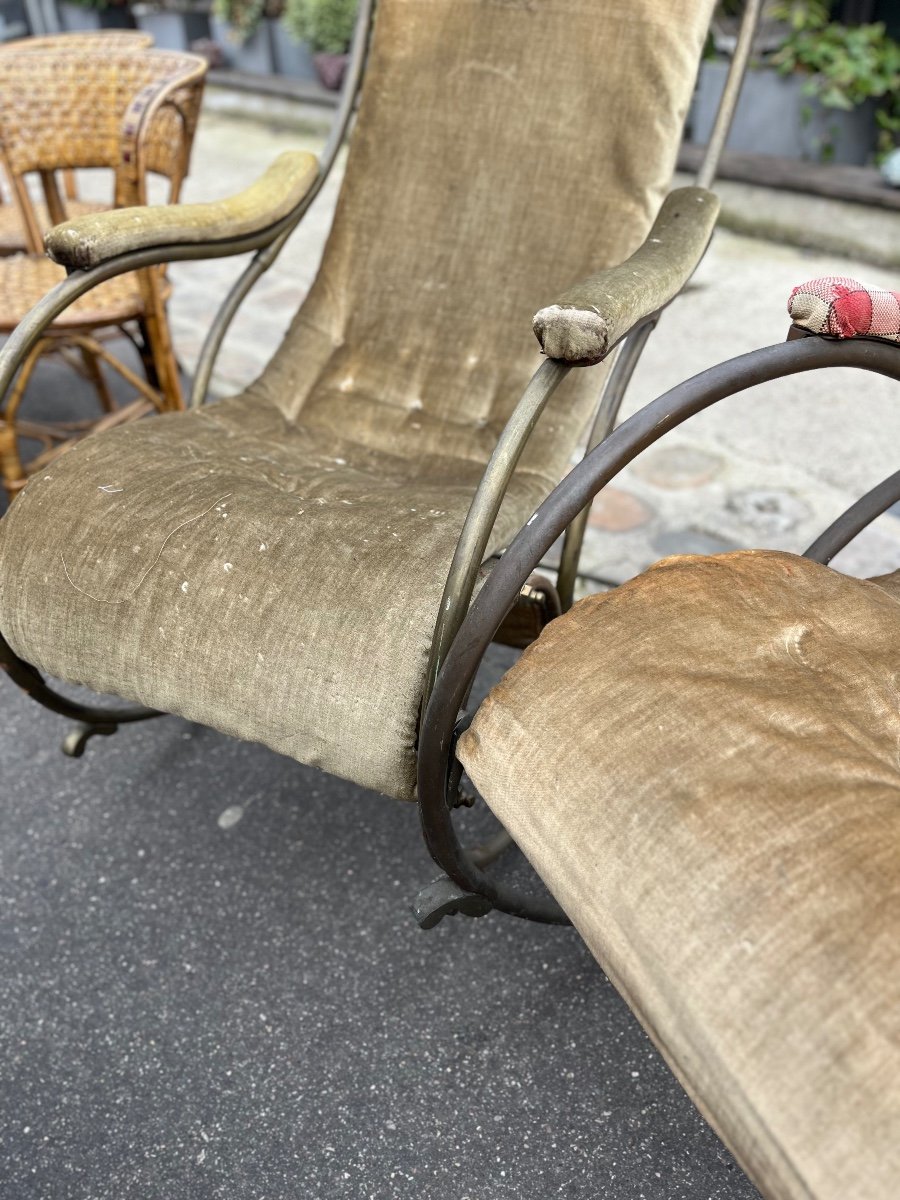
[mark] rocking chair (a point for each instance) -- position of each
(292, 565)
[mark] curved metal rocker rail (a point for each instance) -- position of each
(467, 888)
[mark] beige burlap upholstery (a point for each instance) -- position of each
(503, 151)
(703, 766)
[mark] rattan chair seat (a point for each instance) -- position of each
(12, 235)
(26, 279)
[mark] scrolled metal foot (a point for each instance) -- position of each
(76, 739)
(443, 898)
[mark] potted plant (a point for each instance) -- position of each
(327, 28)
(243, 30)
(78, 15)
(821, 89)
(845, 69)
(173, 24)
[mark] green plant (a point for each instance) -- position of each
(244, 16)
(326, 25)
(846, 65)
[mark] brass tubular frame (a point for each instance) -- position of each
(728, 104)
(617, 383)
(476, 530)
(604, 423)
(437, 768)
(265, 257)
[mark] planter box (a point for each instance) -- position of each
(331, 69)
(774, 116)
(172, 29)
(255, 55)
(291, 57)
(75, 19)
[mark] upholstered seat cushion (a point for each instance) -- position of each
(278, 584)
(710, 786)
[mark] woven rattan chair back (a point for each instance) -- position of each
(97, 109)
(79, 42)
(12, 235)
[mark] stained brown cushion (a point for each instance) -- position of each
(710, 785)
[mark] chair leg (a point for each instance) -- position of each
(100, 353)
(75, 741)
(11, 468)
(536, 606)
(155, 328)
(142, 344)
(443, 898)
(95, 375)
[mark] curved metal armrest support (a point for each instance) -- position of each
(98, 238)
(583, 325)
(476, 630)
(476, 530)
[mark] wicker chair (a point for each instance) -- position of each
(131, 113)
(12, 231)
(291, 565)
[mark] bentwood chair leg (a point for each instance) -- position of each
(144, 349)
(156, 331)
(11, 467)
(95, 375)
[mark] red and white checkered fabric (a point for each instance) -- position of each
(843, 308)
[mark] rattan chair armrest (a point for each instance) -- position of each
(91, 240)
(583, 325)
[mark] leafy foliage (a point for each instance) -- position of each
(327, 25)
(244, 16)
(846, 65)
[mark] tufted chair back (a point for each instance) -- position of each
(504, 149)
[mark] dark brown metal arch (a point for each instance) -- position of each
(437, 739)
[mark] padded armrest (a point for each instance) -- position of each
(91, 240)
(589, 318)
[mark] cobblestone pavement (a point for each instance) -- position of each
(772, 467)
